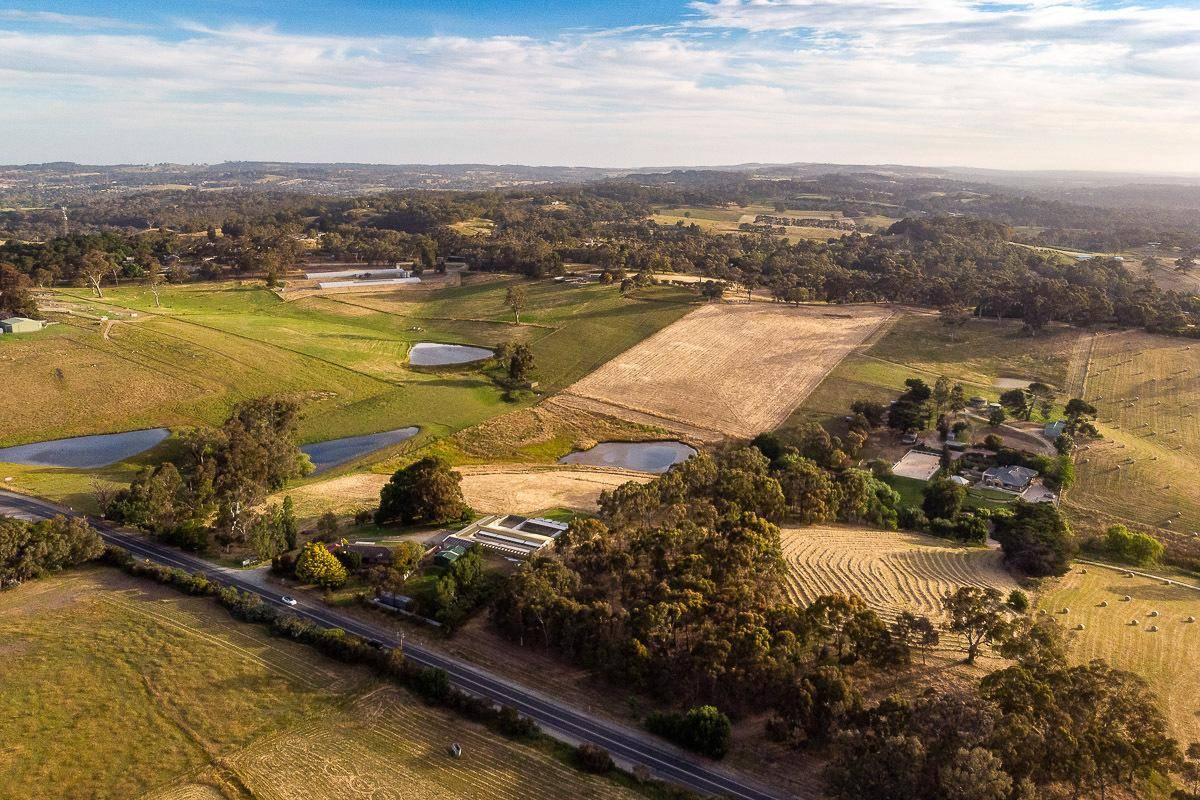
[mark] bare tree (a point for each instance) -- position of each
(154, 281)
(96, 265)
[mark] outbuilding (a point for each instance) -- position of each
(21, 325)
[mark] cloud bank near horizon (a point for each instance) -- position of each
(1033, 84)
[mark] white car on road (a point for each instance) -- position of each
(291, 601)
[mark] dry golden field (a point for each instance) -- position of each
(1168, 658)
(892, 571)
(383, 747)
(492, 488)
(118, 688)
(1147, 391)
(727, 369)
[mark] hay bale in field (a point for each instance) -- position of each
(1153, 629)
(1083, 571)
(1103, 604)
(1190, 619)
(1079, 627)
(1065, 610)
(1133, 622)
(1153, 614)
(1126, 598)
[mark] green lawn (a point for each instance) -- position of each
(344, 357)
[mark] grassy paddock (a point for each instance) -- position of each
(120, 688)
(920, 346)
(345, 357)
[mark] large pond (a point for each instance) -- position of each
(432, 354)
(84, 452)
(640, 456)
(332, 453)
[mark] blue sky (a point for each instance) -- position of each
(1087, 84)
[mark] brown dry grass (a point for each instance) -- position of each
(892, 571)
(496, 488)
(1167, 658)
(728, 369)
(1147, 391)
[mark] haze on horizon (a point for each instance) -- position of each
(1027, 84)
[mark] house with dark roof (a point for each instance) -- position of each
(1010, 479)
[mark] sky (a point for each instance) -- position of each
(1011, 84)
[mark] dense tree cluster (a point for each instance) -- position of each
(31, 550)
(214, 488)
(1026, 728)
(679, 589)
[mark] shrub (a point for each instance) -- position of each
(317, 565)
(703, 729)
(1018, 601)
(590, 758)
(514, 725)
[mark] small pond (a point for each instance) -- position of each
(432, 354)
(331, 453)
(84, 452)
(640, 456)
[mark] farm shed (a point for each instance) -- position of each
(448, 556)
(21, 325)
(511, 535)
(1054, 429)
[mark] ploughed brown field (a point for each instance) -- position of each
(727, 369)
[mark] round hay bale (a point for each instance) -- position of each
(1133, 622)
(1126, 598)
(1065, 610)
(1104, 604)
(1083, 571)
(1153, 614)
(1153, 629)
(1079, 627)
(1190, 619)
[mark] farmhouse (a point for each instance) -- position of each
(21, 325)
(371, 554)
(1010, 479)
(511, 535)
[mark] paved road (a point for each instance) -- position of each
(555, 716)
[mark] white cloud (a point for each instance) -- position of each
(55, 18)
(1035, 84)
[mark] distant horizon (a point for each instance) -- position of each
(645, 168)
(1028, 85)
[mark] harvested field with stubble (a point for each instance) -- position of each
(1168, 658)
(892, 571)
(386, 748)
(113, 687)
(1147, 391)
(727, 369)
